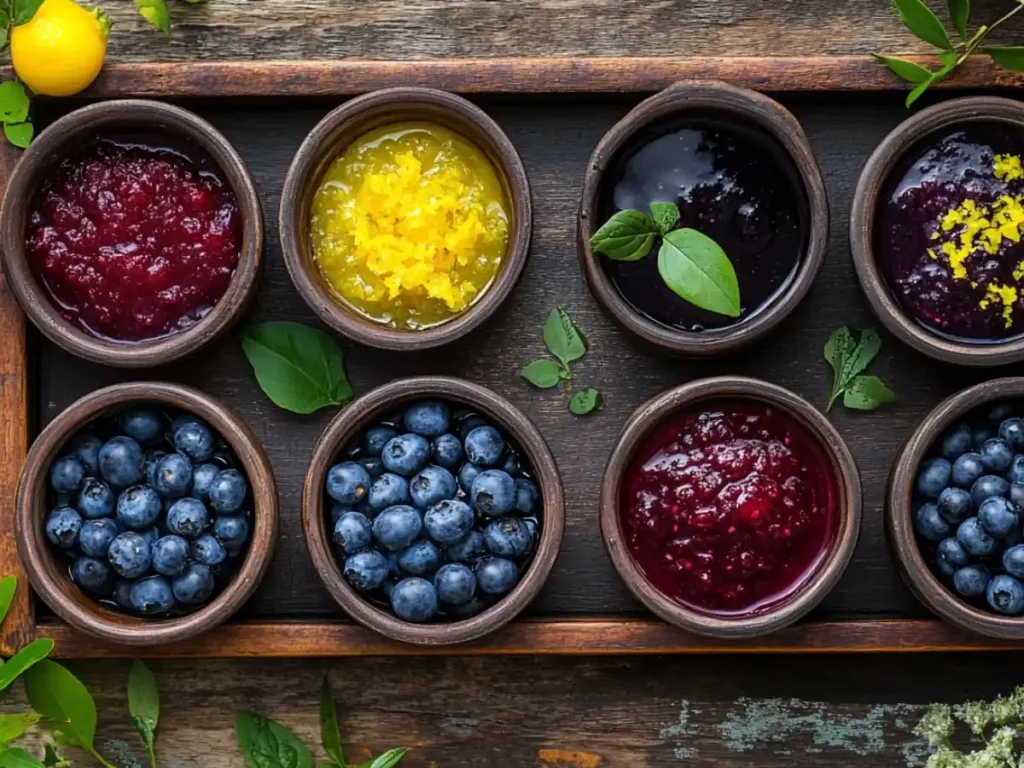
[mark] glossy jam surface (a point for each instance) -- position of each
(409, 225)
(729, 508)
(731, 181)
(135, 240)
(949, 232)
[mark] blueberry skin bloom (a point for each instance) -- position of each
(188, 518)
(143, 425)
(85, 446)
(130, 554)
(986, 487)
(967, 469)
(508, 537)
(397, 527)
(352, 532)
(376, 438)
(1012, 431)
(95, 499)
(152, 596)
(448, 521)
(406, 455)
(347, 482)
(227, 492)
(446, 451)
(138, 508)
(974, 538)
(172, 475)
(170, 555)
(203, 478)
(996, 456)
(455, 584)
(63, 526)
(932, 477)
(208, 550)
(484, 446)
(998, 516)
(414, 599)
(527, 496)
(96, 535)
(468, 472)
(430, 418)
(194, 586)
(387, 491)
(1016, 472)
(494, 493)
(430, 486)
(1005, 595)
(419, 559)
(67, 474)
(955, 504)
(467, 550)
(92, 575)
(495, 575)
(195, 440)
(1013, 561)
(120, 461)
(366, 570)
(232, 531)
(951, 555)
(971, 580)
(955, 442)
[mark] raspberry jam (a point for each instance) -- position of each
(729, 508)
(135, 240)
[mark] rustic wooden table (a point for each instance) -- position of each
(522, 711)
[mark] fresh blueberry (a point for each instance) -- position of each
(971, 580)
(932, 477)
(527, 496)
(376, 438)
(151, 535)
(397, 527)
(986, 487)
(999, 413)
(337, 510)
(195, 440)
(446, 451)
(1012, 431)
(130, 554)
(152, 596)
(429, 418)
(67, 474)
(980, 433)
(510, 463)
(366, 570)
(232, 531)
(188, 518)
(149, 462)
(143, 425)
(455, 584)
(172, 475)
(1013, 561)
(469, 423)
(63, 526)
(420, 558)
(120, 461)
(998, 516)
(387, 491)
(208, 551)
(85, 446)
(406, 454)
(467, 550)
(494, 493)
(352, 532)
(533, 528)
(484, 446)
(967, 469)
(975, 539)
(449, 521)
(347, 482)
(194, 586)
(467, 474)
(170, 555)
(495, 575)
(1005, 594)
(508, 537)
(1016, 494)
(1016, 472)
(956, 441)
(955, 505)
(96, 535)
(138, 508)
(227, 493)
(95, 499)
(123, 594)
(430, 486)
(996, 456)
(203, 478)
(414, 599)
(950, 555)
(92, 575)
(374, 467)
(929, 524)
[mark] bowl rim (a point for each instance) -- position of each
(650, 416)
(873, 178)
(899, 527)
(47, 576)
(507, 163)
(48, 149)
(521, 430)
(752, 108)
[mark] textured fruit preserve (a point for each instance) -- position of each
(133, 239)
(729, 508)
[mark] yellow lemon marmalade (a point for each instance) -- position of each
(409, 225)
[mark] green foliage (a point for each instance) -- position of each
(994, 724)
(566, 344)
(849, 353)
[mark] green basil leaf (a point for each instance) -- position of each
(920, 88)
(587, 400)
(626, 236)
(8, 587)
(562, 338)
(919, 19)
(60, 697)
(907, 70)
(696, 268)
(866, 349)
(1009, 57)
(542, 373)
(14, 102)
(666, 216)
(838, 349)
(268, 744)
(959, 13)
(330, 734)
(16, 666)
(13, 726)
(144, 705)
(15, 757)
(867, 393)
(386, 760)
(19, 134)
(52, 760)
(155, 12)
(24, 10)
(300, 368)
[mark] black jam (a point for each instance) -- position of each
(958, 275)
(731, 181)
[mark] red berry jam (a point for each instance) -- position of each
(134, 241)
(729, 508)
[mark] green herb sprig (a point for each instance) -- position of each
(692, 265)
(144, 706)
(157, 13)
(566, 344)
(996, 724)
(849, 352)
(925, 25)
(15, 105)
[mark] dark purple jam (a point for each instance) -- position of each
(949, 229)
(731, 181)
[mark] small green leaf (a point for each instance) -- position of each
(868, 345)
(959, 13)
(144, 705)
(19, 134)
(52, 760)
(626, 236)
(907, 70)
(298, 367)
(867, 393)
(386, 760)
(1009, 57)
(31, 654)
(15, 757)
(919, 19)
(562, 337)
(8, 587)
(5, 35)
(542, 373)
(935, 77)
(24, 10)
(948, 58)
(666, 216)
(838, 349)
(268, 744)
(330, 735)
(696, 268)
(587, 400)
(14, 102)
(13, 726)
(155, 12)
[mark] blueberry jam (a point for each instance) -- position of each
(729, 508)
(949, 233)
(731, 181)
(135, 240)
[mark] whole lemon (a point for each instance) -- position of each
(61, 50)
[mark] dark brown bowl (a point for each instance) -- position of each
(48, 572)
(700, 99)
(384, 401)
(329, 138)
(900, 528)
(650, 416)
(48, 150)
(866, 199)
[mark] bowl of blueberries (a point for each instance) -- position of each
(433, 510)
(146, 513)
(955, 509)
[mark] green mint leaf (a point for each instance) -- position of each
(586, 401)
(626, 236)
(696, 268)
(866, 349)
(959, 13)
(906, 70)
(330, 734)
(13, 726)
(867, 393)
(666, 216)
(267, 744)
(562, 338)
(543, 373)
(14, 102)
(919, 19)
(19, 134)
(8, 587)
(144, 705)
(52, 760)
(1009, 57)
(17, 665)
(15, 757)
(935, 77)
(60, 697)
(386, 760)
(155, 12)
(298, 367)
(838, 349)
(24, 10)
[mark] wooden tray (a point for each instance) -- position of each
(583, 608)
